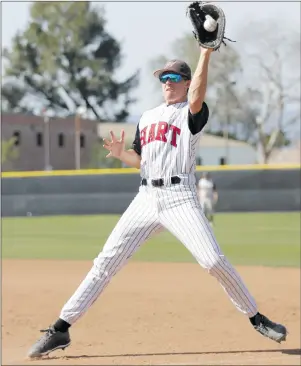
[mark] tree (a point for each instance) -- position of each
(253, 91)
(270, 102)
(11, 98)
(66, 59)
(9, 151)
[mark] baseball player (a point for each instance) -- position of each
(208, 196)
(164, 150)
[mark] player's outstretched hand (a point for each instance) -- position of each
(116, 147)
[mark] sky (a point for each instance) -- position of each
(147, 29)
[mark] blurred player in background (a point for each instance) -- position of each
(208, 195)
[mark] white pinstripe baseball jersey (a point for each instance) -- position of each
(206, 189)
(166, 139)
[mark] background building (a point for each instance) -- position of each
(291, 154)
(44, 144)
(33, 139)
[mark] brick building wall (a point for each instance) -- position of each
(31, 134)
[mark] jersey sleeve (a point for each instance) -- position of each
(137, 143)
(197, 122)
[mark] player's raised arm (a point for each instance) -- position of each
(116, 148)
(198, 86)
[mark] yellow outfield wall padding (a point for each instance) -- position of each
(136, 171)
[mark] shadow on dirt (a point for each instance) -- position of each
(292, 352)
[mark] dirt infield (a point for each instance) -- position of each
(150, 314)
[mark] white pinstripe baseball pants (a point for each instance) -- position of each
(177, 209)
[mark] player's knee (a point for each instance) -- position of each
(100, 269)
(107, 263)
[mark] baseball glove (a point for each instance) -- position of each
(205, 15)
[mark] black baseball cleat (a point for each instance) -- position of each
(267, 328)
(49, 342)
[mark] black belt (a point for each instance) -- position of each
(160, 182)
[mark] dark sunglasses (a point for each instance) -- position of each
(174, 78)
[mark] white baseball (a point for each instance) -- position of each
(210, 24)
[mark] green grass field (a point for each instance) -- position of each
(271, 239)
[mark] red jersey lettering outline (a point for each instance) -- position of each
(151, 134)
(175, 131)
(157, 132)
(162, 131)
